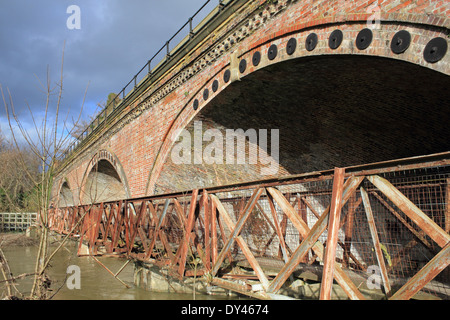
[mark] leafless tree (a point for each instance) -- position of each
(17, 193)
(52, 137)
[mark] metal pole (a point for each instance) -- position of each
(167, 50)
(191, 31)
(114, 275)
(333, 228)
(447, 206)
(375, 240)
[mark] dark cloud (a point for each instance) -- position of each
(116, 39)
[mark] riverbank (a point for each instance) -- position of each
(20, 239)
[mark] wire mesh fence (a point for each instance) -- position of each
(261, 232)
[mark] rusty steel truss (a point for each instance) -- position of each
(379, 231)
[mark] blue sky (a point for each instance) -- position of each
(116, 38)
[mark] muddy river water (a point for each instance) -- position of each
(95, 283)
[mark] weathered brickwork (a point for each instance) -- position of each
(140, 139)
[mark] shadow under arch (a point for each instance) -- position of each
(104, 179)
(65, 195)
(338, 110)
(334, 108)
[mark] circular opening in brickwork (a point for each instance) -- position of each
(205, 94)
(435, 50)
(335, 39)
(226, 76)
(195, 104)
(215, 85)
(272, 52)
(364, 39)
(291, 46)
(311, 42)
(400, 41)
(256, 59)
(242, 65)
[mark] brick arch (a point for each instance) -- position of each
(63, 193)
(113, 161)
(421, 31)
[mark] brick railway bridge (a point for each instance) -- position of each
(355, 97)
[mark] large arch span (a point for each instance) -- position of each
(339, 95)
(329, 110)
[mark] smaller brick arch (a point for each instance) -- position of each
(65, 196)
(108, 165)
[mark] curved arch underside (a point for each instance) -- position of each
(338, 110)
(65, 196)
(103, 184)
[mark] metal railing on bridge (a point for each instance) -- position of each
(381, 231)
(16, 221)
(154, 64)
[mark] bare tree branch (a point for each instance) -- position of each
(47, 148)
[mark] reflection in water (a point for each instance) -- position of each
(96, 282)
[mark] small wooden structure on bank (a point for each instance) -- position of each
(16, 221)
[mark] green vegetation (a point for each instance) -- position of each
(18, 192)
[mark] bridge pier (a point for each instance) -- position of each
(152, 278)
(305, 285)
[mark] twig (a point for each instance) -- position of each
(47, 149)
(20, 276)
(62, 242)
(6, 272)
(123, 267)
(114, 275)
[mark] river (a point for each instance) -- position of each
(96, 283)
